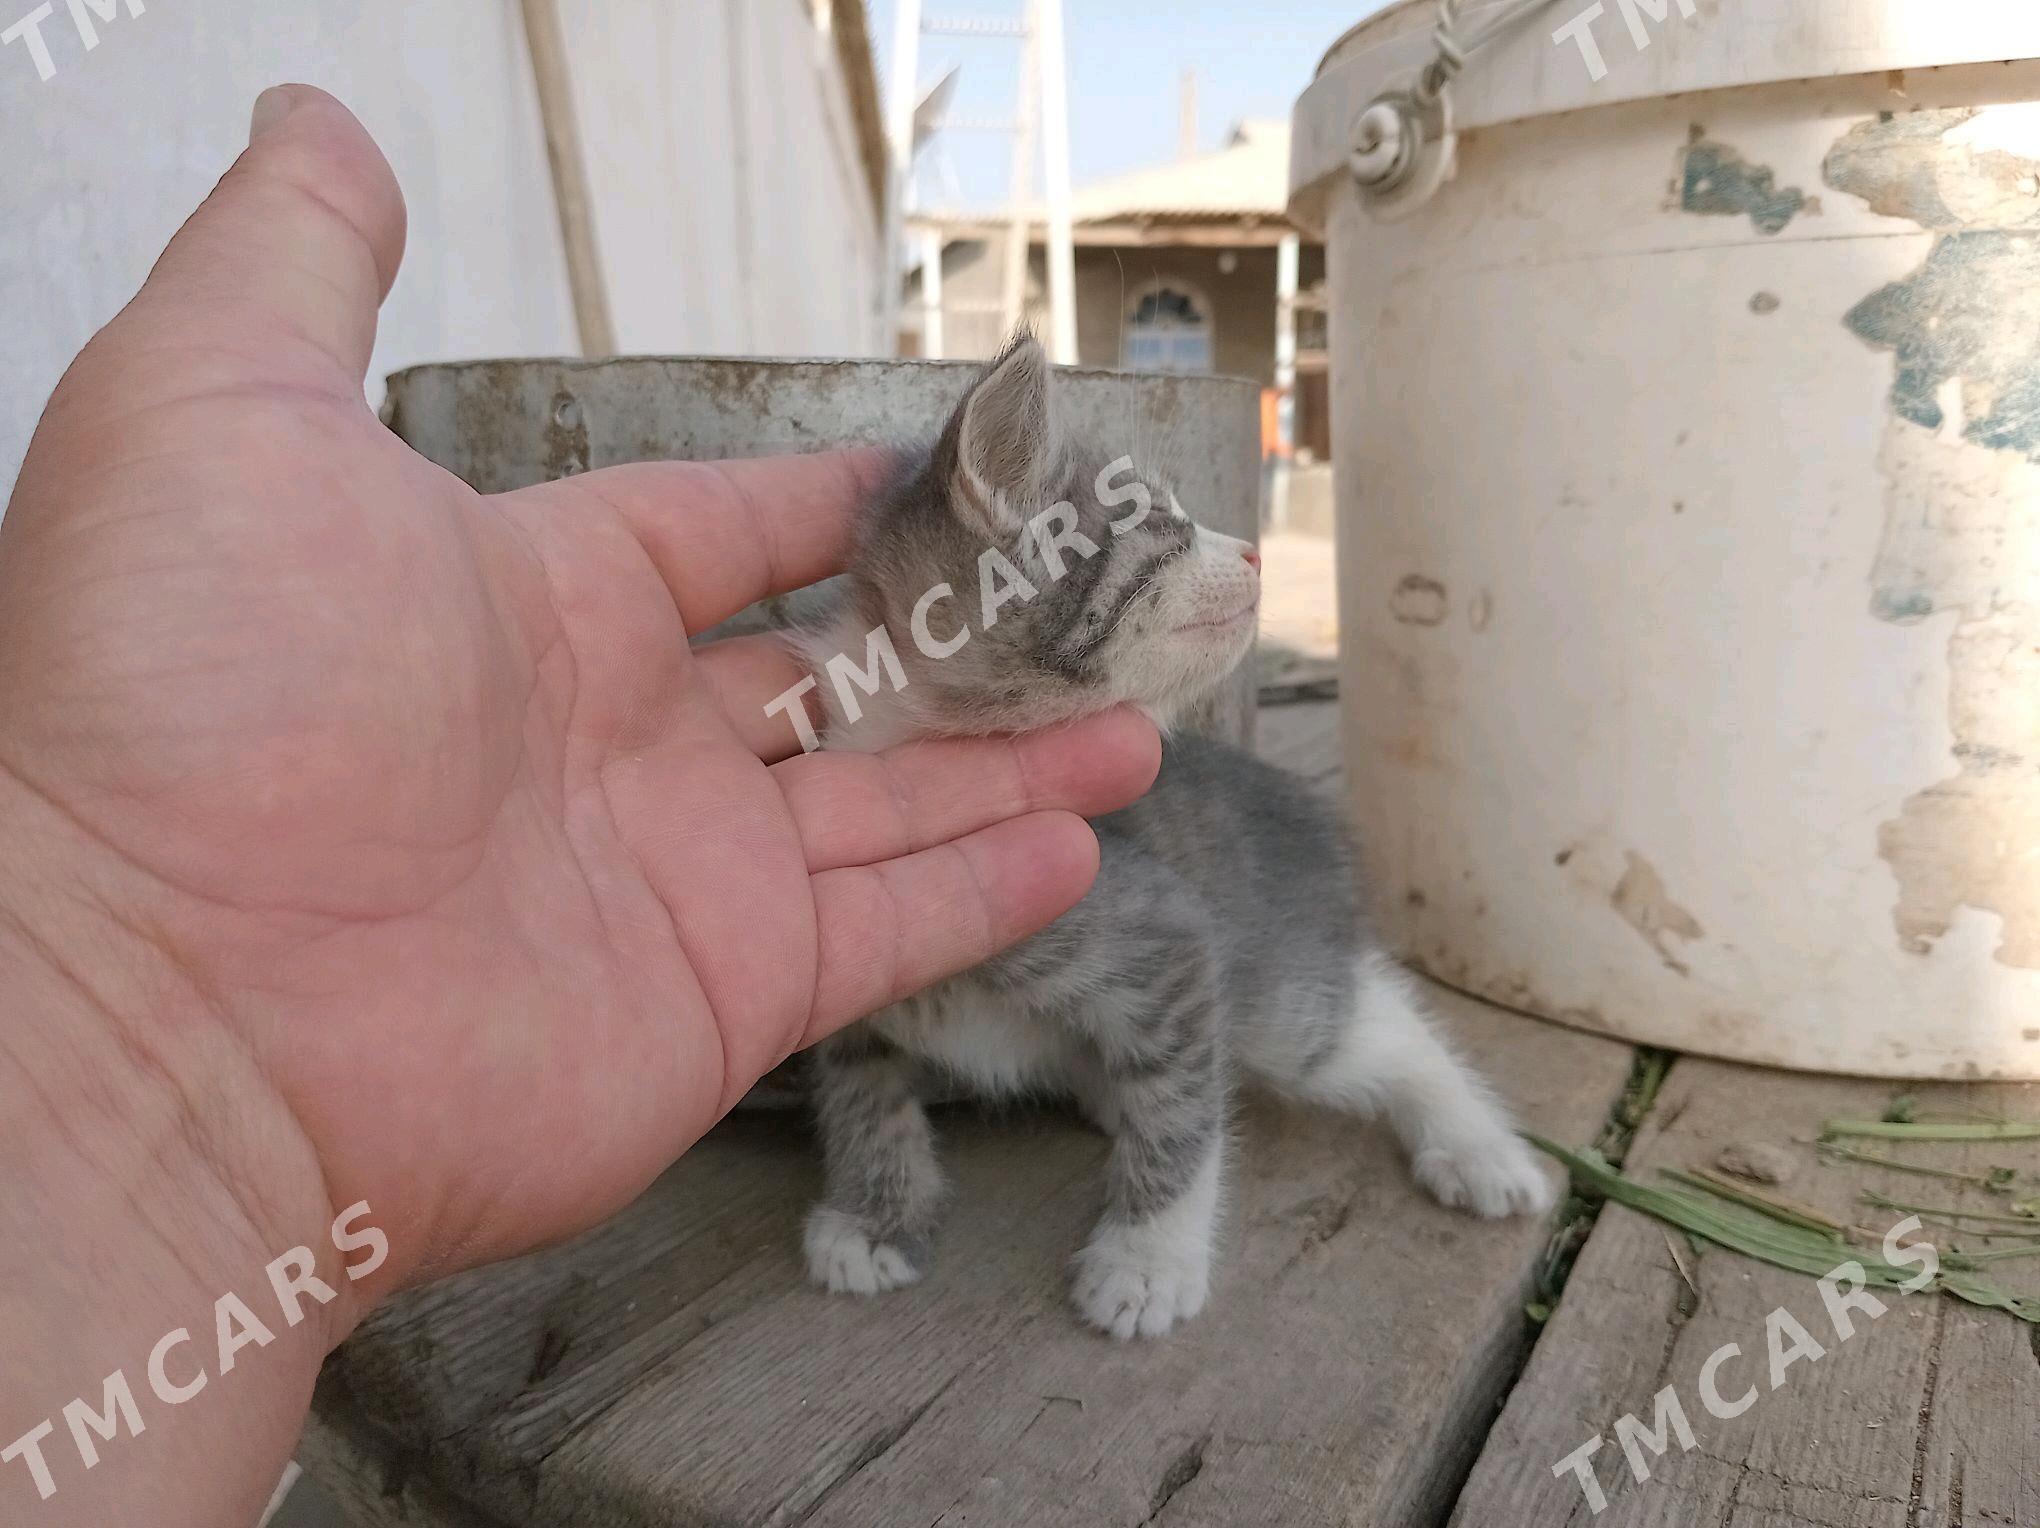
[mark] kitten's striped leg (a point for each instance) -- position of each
(883, 1187)
(1148, 1264)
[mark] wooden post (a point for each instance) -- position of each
(548, 45)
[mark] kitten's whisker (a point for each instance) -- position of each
(1151, 586)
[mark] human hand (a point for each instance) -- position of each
(394, 831)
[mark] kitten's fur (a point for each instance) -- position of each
(1225, 938)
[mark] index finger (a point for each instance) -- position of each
(725, 534)
(861, 808)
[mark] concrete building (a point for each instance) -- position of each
(734, 156)
(1179, 268)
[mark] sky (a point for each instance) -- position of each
(1252, 58)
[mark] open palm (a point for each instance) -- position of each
(481, 881)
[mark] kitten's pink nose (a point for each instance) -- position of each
(1252, 558)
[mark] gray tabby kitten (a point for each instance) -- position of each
(1225, 939)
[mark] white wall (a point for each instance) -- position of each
(101, 163)
(732, 207)
(729, 204)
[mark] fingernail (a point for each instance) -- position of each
(271, 107)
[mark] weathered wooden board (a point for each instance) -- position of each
(1927, 1417)
(673, 1368)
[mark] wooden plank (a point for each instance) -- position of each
(362, 1481)
(1925, 1418)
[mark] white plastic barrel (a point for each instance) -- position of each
(1687, 447)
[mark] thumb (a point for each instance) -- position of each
(283, 267)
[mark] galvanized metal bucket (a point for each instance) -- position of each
(500, 425)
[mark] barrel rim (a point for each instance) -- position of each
(1148, 379)
(1526, 75)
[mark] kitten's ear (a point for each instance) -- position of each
(1008, 439)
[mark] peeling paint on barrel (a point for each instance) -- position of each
(1967, 540)
(1970, 315)
(1645, 905)
(1714, 180)
(1960, 539)
(1970, 167)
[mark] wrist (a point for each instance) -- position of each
(149, 1180)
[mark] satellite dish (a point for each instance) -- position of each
(933, 107)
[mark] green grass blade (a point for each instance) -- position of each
(1904, 1130)
(1764, 1204)
(1796, 1247)
(1978, 1292)
(1993, 1255)
(1943, 1212)
(1999, 1180)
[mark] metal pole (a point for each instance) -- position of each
(931, 293)
(1055, 115)
(899, 115)
(1287, 259)
(1020, 190)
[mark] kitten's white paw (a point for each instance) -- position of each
(1128, 1286)
(844, 1260)
(1491, 1174)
